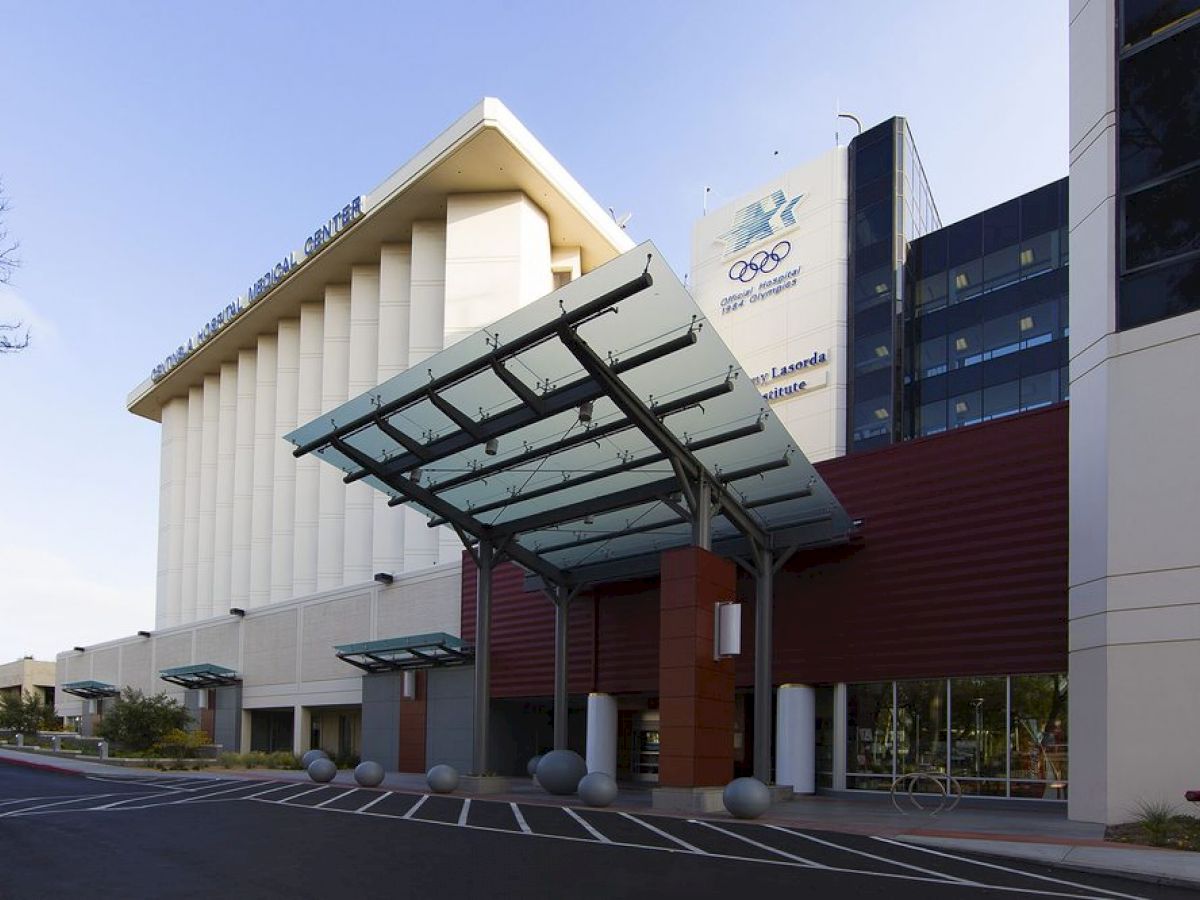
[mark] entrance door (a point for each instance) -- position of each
(644, 756)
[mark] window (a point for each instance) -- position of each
(1143, 18)
(931, 357)
(1162, 221)
(966, 347)
(1001, 400)
(921, 725)
(978, 751)
(931, 418)
(870, 732)
(1039, 736)
(965, 409)
(1039, 390)
(873, 351)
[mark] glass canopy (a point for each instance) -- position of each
(577, 431)
(200, 675)
(91, 690)
(416, 651)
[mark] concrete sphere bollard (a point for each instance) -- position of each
(597, 789)
(369, 774)
(322, 770)
(560, 771)
(307, 758)
(442, 779)
(531, 766)
(746, 798)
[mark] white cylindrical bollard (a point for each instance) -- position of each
(20, 740)
(796, 737)
(602, 734)
(103, 748)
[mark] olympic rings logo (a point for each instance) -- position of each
(764, 261)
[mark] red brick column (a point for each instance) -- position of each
(412, 729)
(695, 691)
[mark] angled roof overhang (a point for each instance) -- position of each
(200, 675)
(417, 651)
(486, 150)
(91, 690)
(596, 427)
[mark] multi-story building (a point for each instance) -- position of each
(28, 676)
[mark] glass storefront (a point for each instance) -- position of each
(999, 736)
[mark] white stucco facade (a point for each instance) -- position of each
(1134, 558)
(769, 272)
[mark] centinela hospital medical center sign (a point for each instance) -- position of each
(769, 271)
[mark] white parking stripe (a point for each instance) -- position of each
(15, 812)
(670, 837)
(200, 798)
(51, 797)
(338, 797)
(301, 794)
(466, 808)
(594, 833)
(524, 826)
(415, 807)
(883, 859)
(741, 837)
(976, 862)
(270, 790)
(378, 799)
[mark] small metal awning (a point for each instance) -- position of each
(200, 675)
(92, 690)
(416, 651)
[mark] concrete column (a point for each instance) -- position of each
(226, 455)
(796, 738)
(483, 661)
(165, 486)
(261, 506)
(308, 475)
(602, 734)
(175, 425)
(395, 284)
(243, 479)
(283, 512)
(301, 729)
(205, 552)
(334, 380)
(839, 736)
(191, 502)
(363, 376)
(426, 336)
(247, 725)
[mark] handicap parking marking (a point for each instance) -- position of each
(804, 861)
(885, 863)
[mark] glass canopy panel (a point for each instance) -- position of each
(511, 448)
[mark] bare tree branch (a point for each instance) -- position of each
(12, 338)
(13, 344)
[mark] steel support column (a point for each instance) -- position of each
(483, 659)
(562, 605)
(764, 564)
(702, 517)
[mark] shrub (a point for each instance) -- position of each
(229, 760)
(178, 743)
(137, 722)
(1155, 817)
(26, 713)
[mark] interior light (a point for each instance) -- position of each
(960, 406)
(585, 411)
(1026, 323)
(960, 344)
(492, 447)
(1027, 257)
(881, 288)
(881, 413)
(960, 280)
(415, 475)
(881, 351)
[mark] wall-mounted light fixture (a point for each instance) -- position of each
(81, 649)
(236, 611)
(492, 447)
(143, 634)
(585, 411)
(384, 577)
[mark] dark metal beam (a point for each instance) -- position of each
(635, 496)
(518, 387)
(612, 535)
(416, 448)
(457, 416)
(531, 339)
(483, 660)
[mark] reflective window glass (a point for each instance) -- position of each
(931, 293)
(1002, 267)
(1001, 226)
(921, 725)
(979, 715)
(1039, 736)
(965, 409)
(1002, 335)
(873, 351)
(1039, 254)
(1001, 400)
(872, 417)
(966, 347)
(869, 728)
(964, 241)
(1159, 293)
(873, 223)
(931, 357)
(1162, 221)
(931, 418)
(824, 712)
(1039, 210)
(873, 160)
(966, 280)
(1039, 390)
(1143, 18)
(1159, 108)
(1038, 324)
(873, 288)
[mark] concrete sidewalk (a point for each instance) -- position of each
(1033, 834)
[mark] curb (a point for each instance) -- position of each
(44, 767)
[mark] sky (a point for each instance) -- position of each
(157, 156)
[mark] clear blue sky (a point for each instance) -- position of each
(159, 155)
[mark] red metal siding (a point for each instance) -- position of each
(961, 569)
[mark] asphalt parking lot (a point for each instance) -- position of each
(201, 836)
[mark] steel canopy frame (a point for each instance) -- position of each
(92, 690)
(435, 465)
(200, 675)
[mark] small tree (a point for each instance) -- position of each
(138, 722)
(26, 712)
